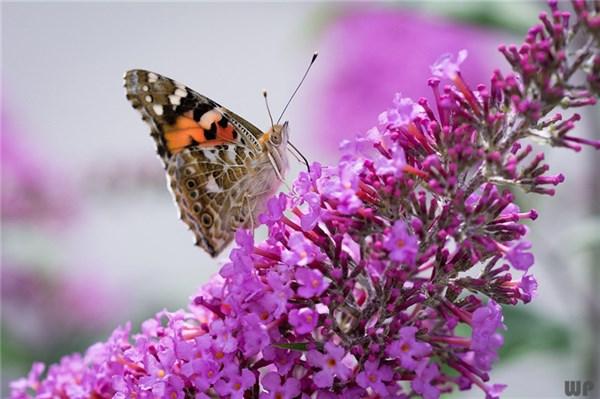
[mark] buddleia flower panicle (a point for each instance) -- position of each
(372, 265)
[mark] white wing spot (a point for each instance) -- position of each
(212, 186)
(145, 88)
(148, 98)
(210, 156)
(180, 92)
(158, 109)
(174, 99)
(152, 77)
(230, 154)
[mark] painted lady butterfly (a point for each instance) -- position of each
(220, 168)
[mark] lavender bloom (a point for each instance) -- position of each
(486, 341)
(528, 288)
(424, 383)
(407, 349)
(517, 256)
(375, 377)
(311, 282)
(304, 320)
(330, 363)
(402, 246)
(278, 390)
(446, 215)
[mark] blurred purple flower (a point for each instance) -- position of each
(34, 304)
(32, 188)
(357, 85)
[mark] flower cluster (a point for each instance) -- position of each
(373, 278)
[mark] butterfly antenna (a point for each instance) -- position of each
(312, 61)
(268, 108)
(298, 155)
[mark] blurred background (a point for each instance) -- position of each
(90, 237)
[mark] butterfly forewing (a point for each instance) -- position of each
(215, 165)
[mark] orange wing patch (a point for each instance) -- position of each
(208, 132)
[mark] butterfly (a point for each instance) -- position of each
(221, 169)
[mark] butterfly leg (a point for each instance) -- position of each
(279, 176)
(250, 213)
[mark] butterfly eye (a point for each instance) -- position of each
(206, 219)
(275, 138)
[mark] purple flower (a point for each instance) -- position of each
(235, 383)
(304, 320)
(341, 185)
(305, 181)
(445, 67)
(407, 349)
(278, 390)
(275, 207)
(159, 378)
(302, 251)
(222, 331)
(494, 391)
(423, 383)
(204, 372)
(528, 288)
(22, 385)
(517, 256)
(404, 111)
(485, 341)
(403, 247)
(330, 363)
(311, 282)
(283, 359)
(393, 166)
(375, 377)
(309, 220)
(255, 338)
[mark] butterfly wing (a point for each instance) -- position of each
(180, 117)
(206, 150)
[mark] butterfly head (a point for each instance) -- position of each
(275, 142)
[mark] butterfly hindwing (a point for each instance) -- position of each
(210, 185)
